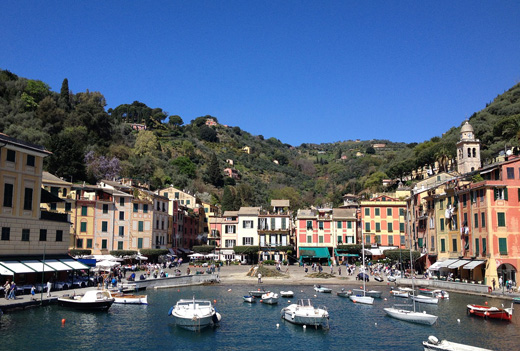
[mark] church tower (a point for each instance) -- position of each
(468, 150)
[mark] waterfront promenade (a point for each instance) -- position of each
(237, 275)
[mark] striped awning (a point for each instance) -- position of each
(473, 264)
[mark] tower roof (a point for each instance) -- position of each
(466, 128)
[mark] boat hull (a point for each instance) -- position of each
(410, 316)
(367, 300)
(445, 345)
(131, 299)
(311, 319)
(85, 306)
(426, 299)
(193, 323)
(257, 293)
(286, 294)
(373, 293)
(505, 314)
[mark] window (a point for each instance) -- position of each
(64, 192)
(11, 156)
(443, 245)
(120, 245)
(377, 212)
(500, 194)
(6, 233)
(454, 244)
(59, 235)
(230, 229)
(441, 204)
(389, 212)
(465, 218)
(340, 239)
(247, 224)
(104, 244)
(432, 243)
(421, 244)
(139, 243)
(104, 226)
(53, 206)
(26, 234)
(510, 173)
(284, 223)
(145, 208)
(89, 243)
(309, 238)
(401, 212)
(477, 247)
(401, 227)
(83, 227)
(121, 215)
(177, 195)
(475, 220)
(8, 195)
(481, 195)
(136, 208)
(390, 227)
(320, 225)
(230, 243)
(320, 239)
(483, 220)
(454, 222)
(367, 239)
(105, 208)
(378, 227)
(247, 241)
(367, 227)
(30, 160)
(140, 226)
(501, 219)
(502, 246)
(79, 243)
(121, 230)
(349, 225)
(340, 224)
(27, 199)
(403, 241)
(483, 246)
(378, 239)
(68, 206)
(390, 240)
(464, 200)
(84, 210)
(367, 212)
(309, 225)
(273, 223)
(188, 202)
(43, 234)
(442, 224)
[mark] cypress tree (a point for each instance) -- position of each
(64, 100)
(214, 173)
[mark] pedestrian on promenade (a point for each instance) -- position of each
(7, 288)
(500, 282)
(494, 283)
(259, 278)
(12, 293)
(339, 270)
(49, 286)
(33, 292)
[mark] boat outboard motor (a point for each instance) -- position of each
(433, 340)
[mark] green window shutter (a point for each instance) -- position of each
(104, 226)
(273, 223)
(401, 227)
(378, 227)
(89, 243)
(501, 219)
(140, 226)
(320, 239)
(139, 243)
(420, 242)
(309, 238)
(83, 227)
(484, 246)
(477, 247)
(476, 220)
(454, 242)
(367, 227)
(442, 224)
(367, 239)
(339, 225)
(378, 239)
(104, 243)
(309, 225)
(390, 227)
(505, 194)
(84, 210)
(483, 221)
(284, 223)
(495, 191)
(120, 245)
(502, 246)
(377, 212)
(367, 212)
(390, 240)
(389, 212)
(320, 225)
(349, 225)
(443, 245)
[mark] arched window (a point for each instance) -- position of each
(469, 152)
(474, 152)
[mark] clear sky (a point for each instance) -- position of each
(300, 71)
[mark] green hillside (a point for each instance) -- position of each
(91, 143)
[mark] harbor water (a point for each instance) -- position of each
(247, 326)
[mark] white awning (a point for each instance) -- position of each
(435, 266)
(57, 265)
(74, 264)
(473, 264)
(39, 266)
(227, 252)
(17, 267)
(445, 264)
(458, 263)
(374, 252)
(5, 271)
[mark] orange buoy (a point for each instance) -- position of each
(63, 321)
(485, 303)
(214, 301)
(471, 311)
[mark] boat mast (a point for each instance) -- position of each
(363, 255)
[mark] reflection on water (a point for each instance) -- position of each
(244, 325)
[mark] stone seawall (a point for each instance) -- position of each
(175, 281)
(444, 285)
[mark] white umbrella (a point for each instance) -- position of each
(107, 264)
(195, 255)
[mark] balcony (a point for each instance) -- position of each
(54, 216)
(214, 234)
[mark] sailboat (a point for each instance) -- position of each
(358, 298)
(407, 315)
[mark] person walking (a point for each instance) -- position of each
(49, 287)
(494, 284)
(33, 293)
(7, 288)
(12, 293)
(259, 278)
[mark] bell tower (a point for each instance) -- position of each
(468, 150)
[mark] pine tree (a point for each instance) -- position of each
(214, 173)
(64, 99)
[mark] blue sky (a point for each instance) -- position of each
(299, 71)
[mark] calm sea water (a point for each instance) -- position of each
(251, 326)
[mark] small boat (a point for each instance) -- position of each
(249, 298)
(409, 290)
(399, 293)
(373, 293)
(516, 299)
(367, 300)
(425, 299)
(491, 312)
(433, 344)
(391, 278)
(194, 314)
(441, 294)
(426, 291)
(378, 278)
(287, 293)
(305, 314)
(257, 293)
(344, 293)
(322, 289)
(270, 298)
(92, 300)
(411, 316)
(130, 299)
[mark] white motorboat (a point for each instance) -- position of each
(425, 299)
(373, 293)
(391, 278)
(433, 344)
(287, 293)
(344, 293)
(305, 314)
(270, 298)
(249, 298)
(411, 316)
(367, 300)
(91, 300)
(322, 289)
(258, 293)
(399, 293)
(441, 294)
(194, 314)
(130, 299)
